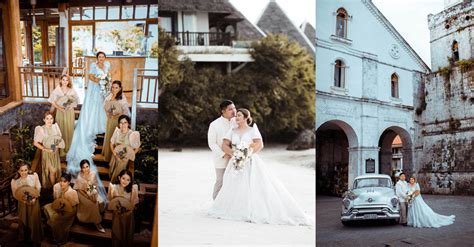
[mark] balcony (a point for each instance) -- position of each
(201, 38)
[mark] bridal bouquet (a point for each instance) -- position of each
(241, 153)
(91, 189)
(410, 198)
(104, 84)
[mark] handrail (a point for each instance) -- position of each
(7, 202)
(145, 81)
(39, 81)
(202, 38)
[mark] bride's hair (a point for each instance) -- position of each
(247, 116)
(100, 52)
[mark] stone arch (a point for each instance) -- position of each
(387, 155)
(334, 164)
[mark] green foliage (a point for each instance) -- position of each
(22, 141)
(37, 48)
(128, 39)
(465, 65)
(146, 161)
(154, 50)
(278, 88)
(445, 72)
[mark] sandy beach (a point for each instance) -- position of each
(186, 180)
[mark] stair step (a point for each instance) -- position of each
(79, 229)
(102, 170)
(99, 158)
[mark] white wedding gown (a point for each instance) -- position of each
(254, 194)
(421, 215)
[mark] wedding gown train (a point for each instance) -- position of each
(91, 122)
(254, 194)
(421, 215)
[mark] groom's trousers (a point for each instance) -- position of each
(219, 181)
(403, 212)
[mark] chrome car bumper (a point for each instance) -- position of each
(370, 214)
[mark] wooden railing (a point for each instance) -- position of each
(145, 89)
(40, 81)
(202, 38)
(7, 202)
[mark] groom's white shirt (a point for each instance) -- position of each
(401, 189)
(215, 137)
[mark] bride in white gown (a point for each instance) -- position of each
(420, 214)
(252, 193)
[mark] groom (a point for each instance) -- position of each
(401, 189)
(215, 135)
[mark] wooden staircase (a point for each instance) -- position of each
(84, 233)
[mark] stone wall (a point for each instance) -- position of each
(453, 24)
(445, 134)
(32, 114)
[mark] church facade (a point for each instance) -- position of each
(367, 77)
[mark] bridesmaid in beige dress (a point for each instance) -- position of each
(123, 223)
(29, 215)
(88, 210)
(116, 95)
(130, 139)
(50, 161)
(61, 222)
(64, 116)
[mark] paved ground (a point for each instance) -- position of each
(330, 231)
(185, 195)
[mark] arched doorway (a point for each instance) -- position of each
(333, 140)
(396, 152)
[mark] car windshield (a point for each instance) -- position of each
(372, 182)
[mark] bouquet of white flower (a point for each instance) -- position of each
(241, 153)
(410, 198)
(104, 83)
(91, 188)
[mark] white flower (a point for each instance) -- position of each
(241, 155)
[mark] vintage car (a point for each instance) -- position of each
(372, 197)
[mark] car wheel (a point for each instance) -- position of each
(393, 221)
(346, 223)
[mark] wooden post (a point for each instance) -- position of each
(14, 49)
(154, 238)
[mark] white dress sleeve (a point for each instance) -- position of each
(39, 134)
(37, 182)
(57, 130)
(134, 196)
(256, 133)
(54, 95)
(134, 139)
(417, 187)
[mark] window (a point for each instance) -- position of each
(339, 70)
(455, 51)
(394, 86)
(341, 23)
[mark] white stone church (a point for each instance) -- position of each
(367, 77)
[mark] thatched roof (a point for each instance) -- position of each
(309, 31)
(275, 21)
(213, 6)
